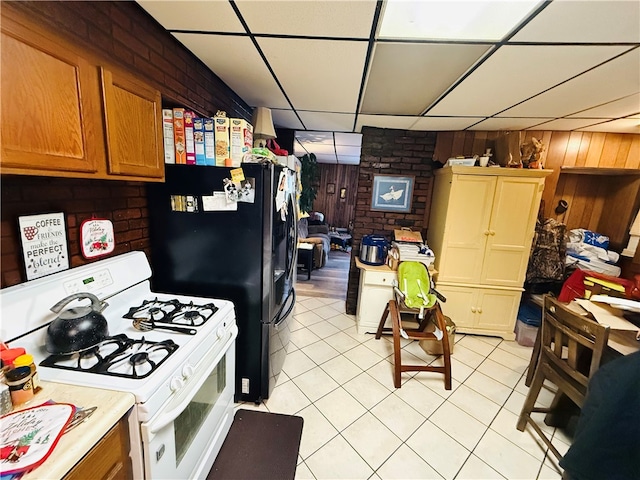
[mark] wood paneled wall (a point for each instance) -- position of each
(338, 212)
(603, 203)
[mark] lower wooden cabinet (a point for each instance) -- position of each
(109, 459)
(483, 311)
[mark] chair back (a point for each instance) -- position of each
(572, 345)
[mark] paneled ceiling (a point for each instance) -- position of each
(328, 68)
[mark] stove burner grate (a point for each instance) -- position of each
(118, 356)
(173, 311)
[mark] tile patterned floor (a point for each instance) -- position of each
(358, 426)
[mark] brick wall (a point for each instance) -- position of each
(120, 33)
(390, 152)
(124, 203)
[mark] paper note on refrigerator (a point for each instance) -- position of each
(217, 202)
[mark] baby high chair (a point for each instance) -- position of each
(415, 296)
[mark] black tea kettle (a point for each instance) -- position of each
(77, 328)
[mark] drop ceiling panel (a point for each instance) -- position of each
(194, 15)
(317, 75)
(342, 150)
(348, 139)
(619, 77)
(568, 124)
(584, 21)
(618, 108)
(310, 18)
(623, 125)
(349, 160)
(508, 123)
(406, 79)
(514, 73)
(385, 121)
(324, 158)
(315, 137)
(320, 149)
(444, 123)
(250, 78)
(285, 119)
(328, 121)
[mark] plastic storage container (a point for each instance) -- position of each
(526, 334)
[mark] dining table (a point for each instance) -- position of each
(624, 339)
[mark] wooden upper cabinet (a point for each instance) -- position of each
(50, 105)
(133, 120)
(67, 113)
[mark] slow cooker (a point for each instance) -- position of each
(373, 250)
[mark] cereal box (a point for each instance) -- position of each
(178, 135)
(221, 127)
(188, 136)
(167, 132)
(241, 140)
(209, 143)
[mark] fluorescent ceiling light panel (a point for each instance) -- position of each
(452, 19)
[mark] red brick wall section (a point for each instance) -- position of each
(390, 152)
(124, 203)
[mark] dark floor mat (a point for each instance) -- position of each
(259, 445)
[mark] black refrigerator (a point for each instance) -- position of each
(205, 243)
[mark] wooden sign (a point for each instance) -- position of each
(44, 244)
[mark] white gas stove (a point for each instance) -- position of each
(177, 378)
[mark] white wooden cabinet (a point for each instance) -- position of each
(375, 290)
(481, 229)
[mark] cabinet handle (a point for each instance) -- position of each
(473, 309)
(487, 232)
(479, 310)
(492, 232)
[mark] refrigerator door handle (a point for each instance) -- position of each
(280, 317)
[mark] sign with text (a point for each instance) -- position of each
(44, 244)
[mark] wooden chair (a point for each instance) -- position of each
(398, 329)
(571, 348)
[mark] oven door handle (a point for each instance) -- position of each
(166, 418)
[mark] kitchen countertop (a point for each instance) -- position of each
(74, 445)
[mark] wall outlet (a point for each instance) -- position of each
(245, 385)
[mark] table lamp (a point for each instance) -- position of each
(262, 127)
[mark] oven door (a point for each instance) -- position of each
(184, 438)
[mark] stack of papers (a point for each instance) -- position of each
(414, 252)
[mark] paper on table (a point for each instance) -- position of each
(607, 315)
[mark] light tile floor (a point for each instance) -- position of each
(358, 426)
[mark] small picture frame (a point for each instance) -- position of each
(392, 193)
(331, 188)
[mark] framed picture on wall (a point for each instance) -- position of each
(331, 188)
(392, 193)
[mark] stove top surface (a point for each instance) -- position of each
(140, 362)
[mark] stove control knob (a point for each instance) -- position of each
(187, 371)
(176, 384)
(220, 332)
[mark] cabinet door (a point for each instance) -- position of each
(511, 230)
(108, 460)
(133, 118)
(482, 311)
(497, 311)
(466, 228)
(51, 116)
(460, 304)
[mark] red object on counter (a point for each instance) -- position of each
(9, 355)
(574, 287)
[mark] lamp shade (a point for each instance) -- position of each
(262, 125)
